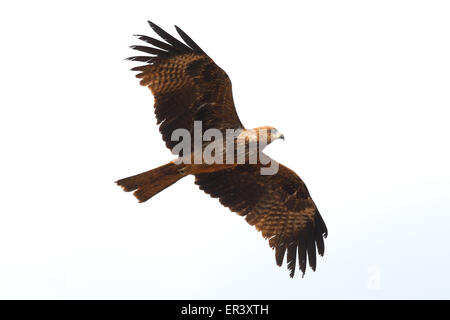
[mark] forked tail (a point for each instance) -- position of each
(149, 183)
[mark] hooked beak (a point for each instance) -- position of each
(282, 137)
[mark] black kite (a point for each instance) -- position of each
(188, 86)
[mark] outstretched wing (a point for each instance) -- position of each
(278, 205)
(187, 85)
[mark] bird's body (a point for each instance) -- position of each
(190, 89)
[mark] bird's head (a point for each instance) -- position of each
(268, 134)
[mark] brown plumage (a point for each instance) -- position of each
(188, 86)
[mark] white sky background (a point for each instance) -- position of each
(360, 89)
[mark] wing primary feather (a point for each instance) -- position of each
(140, 58)
(150, 50)
(320, 231)
(320, 224)
(311, 244)
(320, 244)
(189, 41)
(302, 255)
(291, 257)
(279, 254)
(155, 42)
(170, 39)
(139, 68)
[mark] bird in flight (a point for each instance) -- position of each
(189, 88)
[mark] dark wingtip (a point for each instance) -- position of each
(279, 255)
(177, 44)
(179, 29)
(191, 43)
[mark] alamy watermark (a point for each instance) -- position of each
(374, 278)
(236, 146)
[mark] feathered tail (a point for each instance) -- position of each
(149, 183)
